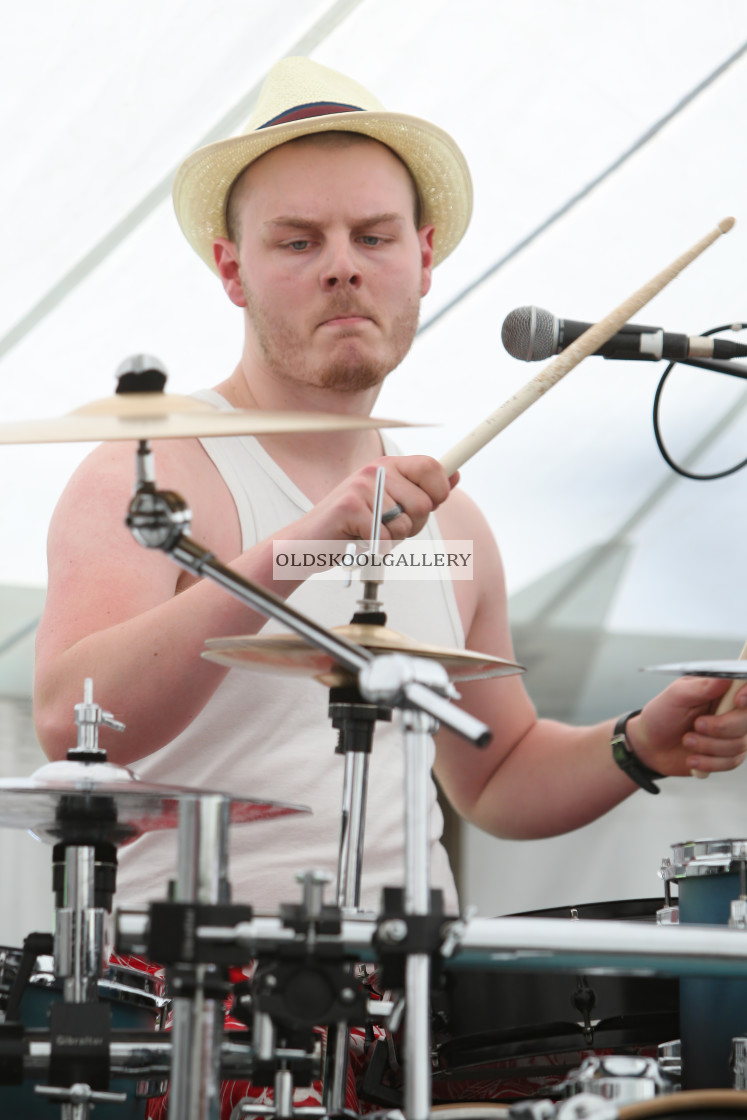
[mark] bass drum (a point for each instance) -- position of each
(503, 1036)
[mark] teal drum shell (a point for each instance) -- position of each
(136, 1002)
(709, 875)
(503, 1036)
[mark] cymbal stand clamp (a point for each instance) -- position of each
(156, 518)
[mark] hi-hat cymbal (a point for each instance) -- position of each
(287, 653)
(730, 670)
(165, 416)
(109, 803)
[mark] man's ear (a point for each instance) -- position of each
(425, 236)
(227, 262)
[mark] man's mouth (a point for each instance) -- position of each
(345, 320)
(347, 316)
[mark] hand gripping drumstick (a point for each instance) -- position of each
(585, 345)
(725, 704)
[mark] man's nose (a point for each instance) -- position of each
(339, 268)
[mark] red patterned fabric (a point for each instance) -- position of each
(233, 1092)
(514, 1079)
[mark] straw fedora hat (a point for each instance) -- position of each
(300, 97)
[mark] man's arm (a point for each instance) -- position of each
(134, 622)
(539, 777)
(129, 617)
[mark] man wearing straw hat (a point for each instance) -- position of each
(323, 221)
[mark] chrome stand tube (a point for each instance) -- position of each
(80, 928)
(417, 1042)
(349, 870)
(350, 859)
(198, 1017)
(356, 720)
(79, 948)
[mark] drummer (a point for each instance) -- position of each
(323, 222)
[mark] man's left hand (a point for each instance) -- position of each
(677, 732)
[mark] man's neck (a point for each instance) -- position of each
(315, 461)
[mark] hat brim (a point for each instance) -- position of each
(203, 182)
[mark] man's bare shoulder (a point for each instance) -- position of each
(104, 483)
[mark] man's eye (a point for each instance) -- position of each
(370, 239)
(298, 246)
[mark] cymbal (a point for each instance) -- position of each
(109, 803)
(165, 416)
(287, 653)
(731, 670)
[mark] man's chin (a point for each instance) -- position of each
(353, 373)
(356, 379)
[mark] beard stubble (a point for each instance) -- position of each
(349, 369)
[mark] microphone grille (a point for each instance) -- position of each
(529, 334)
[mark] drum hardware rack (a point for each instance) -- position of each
(206, 932)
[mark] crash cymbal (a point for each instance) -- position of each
(731, 670)
(287, 653)
(109, 803)
(164, 416)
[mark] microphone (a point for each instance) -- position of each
(532, 334)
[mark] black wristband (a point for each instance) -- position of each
(628, 760)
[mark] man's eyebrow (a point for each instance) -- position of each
(295, 222)
(380, 219)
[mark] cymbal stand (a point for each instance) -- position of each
(159, 519)
(355, 720)
(84, 879)
(414, 932)
(202, 879)
(80, 921)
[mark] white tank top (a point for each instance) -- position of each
(269, 736)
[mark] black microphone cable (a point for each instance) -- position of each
(657, 426)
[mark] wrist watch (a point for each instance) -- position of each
(628, 760)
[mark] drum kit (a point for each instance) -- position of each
(624, 1011)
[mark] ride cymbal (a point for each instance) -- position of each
(286, 653)
(156, 415)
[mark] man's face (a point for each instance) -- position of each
(331, 265)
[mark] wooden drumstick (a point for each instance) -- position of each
(725, 704)
(585, 345)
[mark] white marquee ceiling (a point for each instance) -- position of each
(546, 99)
